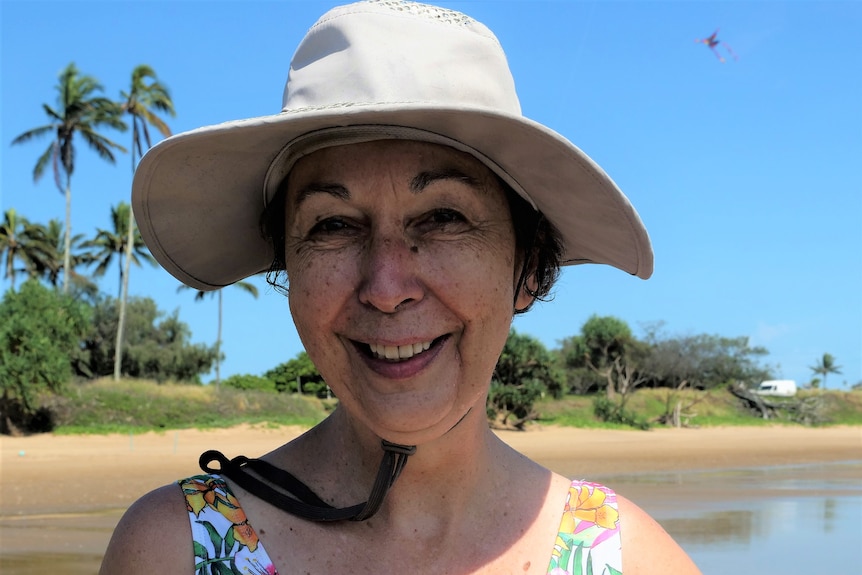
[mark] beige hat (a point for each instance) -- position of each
(374, 70)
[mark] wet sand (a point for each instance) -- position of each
(61, 496)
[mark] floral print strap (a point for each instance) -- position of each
(588, 542)
(224, 541)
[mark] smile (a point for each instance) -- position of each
(398, 352)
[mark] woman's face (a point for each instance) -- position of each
(402, 268)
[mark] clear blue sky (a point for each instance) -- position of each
(748, 174)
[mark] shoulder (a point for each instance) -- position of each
(153, 536)
(647, 548)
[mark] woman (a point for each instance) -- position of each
(409, 210)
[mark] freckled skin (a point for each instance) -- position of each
(378, 261)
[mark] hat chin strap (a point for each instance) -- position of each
(294, 496)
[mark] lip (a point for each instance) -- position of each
(404, 369)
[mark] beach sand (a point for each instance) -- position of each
(61, 496)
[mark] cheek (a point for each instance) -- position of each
(316, 288)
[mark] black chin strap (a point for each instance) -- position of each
(296, 498)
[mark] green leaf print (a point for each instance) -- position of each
(201, 551)
(578, 567)
(214, 536)
(566, 552)
(229, 541)
(612, 571)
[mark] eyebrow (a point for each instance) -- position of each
(417, 184)
(425, 179)
(335, 190)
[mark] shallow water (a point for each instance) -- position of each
(791, 520)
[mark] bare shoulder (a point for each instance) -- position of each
(647, 548)
(153, 536)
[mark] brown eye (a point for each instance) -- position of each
(446, 216)
(329, 226)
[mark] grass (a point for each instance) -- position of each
(700, 408)
(105, 406)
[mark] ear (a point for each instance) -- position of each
(524, 298)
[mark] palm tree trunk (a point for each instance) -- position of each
(124, 295)
(67, 240)
(218, 341)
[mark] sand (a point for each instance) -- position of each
(60, 496)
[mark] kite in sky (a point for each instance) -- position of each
(712, 43)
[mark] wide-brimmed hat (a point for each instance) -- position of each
(364, 71)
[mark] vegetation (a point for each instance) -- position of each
(104, 406)
(145, 98)
(199, 296)
(79, 111)
(525, 372)
(39, 332)
(157, 344)
(299, 375)
(56, 347)
(825, 366)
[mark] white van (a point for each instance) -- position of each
(782, 387)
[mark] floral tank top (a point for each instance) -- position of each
(587, 542)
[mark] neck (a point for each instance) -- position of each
(443, 475)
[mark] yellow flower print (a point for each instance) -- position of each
(247, 536)
(589, 505)
(198, 494)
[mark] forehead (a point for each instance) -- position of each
(368, 161)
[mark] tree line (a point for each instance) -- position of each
(58, 325)
(81, 112)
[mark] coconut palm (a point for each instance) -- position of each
(109, 243)
(826, 366)
(21, 242)
(79, 111)
(200, 295)
(50, 262)
(145, 98)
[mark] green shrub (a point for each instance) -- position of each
(613, 412)
(247, 381)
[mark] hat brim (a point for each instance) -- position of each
(198, 196)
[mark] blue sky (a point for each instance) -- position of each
(748, 174)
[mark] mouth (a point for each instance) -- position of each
(397, 353)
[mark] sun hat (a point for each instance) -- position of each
(364, 71)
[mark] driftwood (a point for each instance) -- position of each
(807, 411)
(754, 402)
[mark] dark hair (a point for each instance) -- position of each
(536, 239)
(540, 244)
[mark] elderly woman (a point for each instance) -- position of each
(408, 210)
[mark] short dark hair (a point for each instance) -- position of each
(536, 239)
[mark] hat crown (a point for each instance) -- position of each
(389, 51)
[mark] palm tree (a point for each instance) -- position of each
(50, 263)
(20, 241)
(145, 97)
(79, 112)
(200, 295)
(110, 243)
(825, 367)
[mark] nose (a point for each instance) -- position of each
(390, 278)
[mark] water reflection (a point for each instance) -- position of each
(787, 520)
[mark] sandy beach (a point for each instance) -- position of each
(60, 496)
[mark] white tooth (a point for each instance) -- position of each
(390, 352)
(418, 348)
(405, 351)
(426, 346)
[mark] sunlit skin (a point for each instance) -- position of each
(400, 244)
(396, 243)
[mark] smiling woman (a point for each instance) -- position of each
(408, 210)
